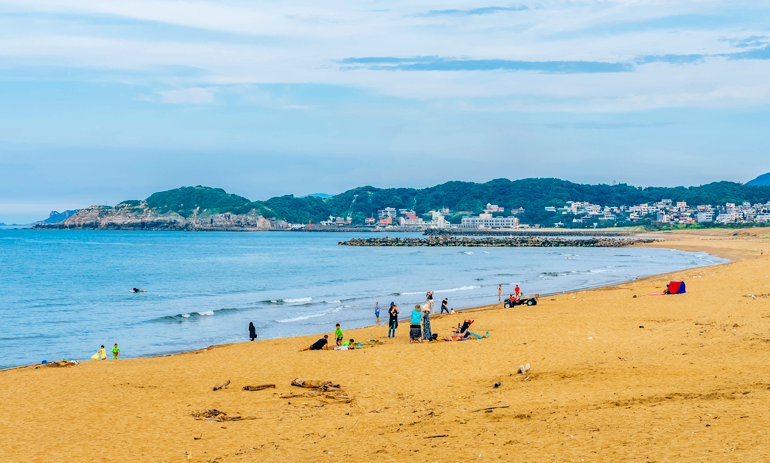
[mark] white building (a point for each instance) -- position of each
(489, 222)
(388, 212)
(704, 217)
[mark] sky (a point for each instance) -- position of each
(103, 101)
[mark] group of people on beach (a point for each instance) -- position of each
(419, 323)
(323, 343)
(419, 320)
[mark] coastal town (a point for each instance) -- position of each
(575, 213)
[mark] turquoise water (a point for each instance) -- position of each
(65, 293)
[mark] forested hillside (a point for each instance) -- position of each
(462, 198)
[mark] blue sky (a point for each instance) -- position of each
(106, 101)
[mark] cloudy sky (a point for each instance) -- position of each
(102, 101)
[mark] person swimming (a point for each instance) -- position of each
(136, 290)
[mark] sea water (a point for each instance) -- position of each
(66, 293)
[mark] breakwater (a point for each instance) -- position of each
(529, 232)
(502, 242)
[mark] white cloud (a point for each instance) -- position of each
(194, 95)
(300, 42)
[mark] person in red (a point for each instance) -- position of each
(518, 291)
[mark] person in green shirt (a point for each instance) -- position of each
(338, 334)
(115, 352)
(350, 344)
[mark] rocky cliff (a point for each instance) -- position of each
(136, 215)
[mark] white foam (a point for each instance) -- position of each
(185, 315)
(332, 302)
(467, 252)
(461, 288)
(301, 299)
(306, 317)
(208, 312)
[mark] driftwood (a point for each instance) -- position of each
(489, 408)
(313, 383)
(258, 388)
(218, 416)
(322, 390)
(222, 386)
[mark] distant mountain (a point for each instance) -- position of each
(762, 180)
(56, 217)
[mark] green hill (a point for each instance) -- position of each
(463, 198)
(184, 201)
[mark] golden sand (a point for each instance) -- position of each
(616, 375)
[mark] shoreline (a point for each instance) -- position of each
(617, 375)
(434, 316)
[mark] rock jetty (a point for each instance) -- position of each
(502, 242)
(594, 232)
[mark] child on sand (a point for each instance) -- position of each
(115, 352)
(338, 334)
(103, 353)
(377, 311)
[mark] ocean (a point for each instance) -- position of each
(65, 293)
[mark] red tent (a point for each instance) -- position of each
(676, 287)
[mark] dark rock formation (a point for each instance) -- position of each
(530, 241)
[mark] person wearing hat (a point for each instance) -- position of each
(392, 320)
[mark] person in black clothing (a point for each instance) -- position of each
(252, 331)
(444, 305)
(322, 343)
(392, 320)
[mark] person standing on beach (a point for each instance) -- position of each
(499, 293)
(444, 307)
(429, 299)
(426, 332)
(392, 320)
(415, 324)
(103, 353)
(115, 352)
(518, 291)
(338, 333)
(377, 311)
(252, 331)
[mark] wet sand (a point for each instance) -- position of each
(616, 375)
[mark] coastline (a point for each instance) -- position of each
(551, 336)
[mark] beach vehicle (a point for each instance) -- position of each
(512, 301)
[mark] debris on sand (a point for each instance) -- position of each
(258, 388)
(324, 390)
(312, 383)
(222, 386)
(218, 416)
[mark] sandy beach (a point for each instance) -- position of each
(616, 375)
